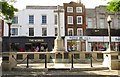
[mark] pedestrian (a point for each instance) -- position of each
(42, 48)
(69, 49)
(37, 49)
(21, 50)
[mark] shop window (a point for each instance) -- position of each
(15, 47)
(28, 47)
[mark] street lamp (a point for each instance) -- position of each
(9, 22)
(109, 33)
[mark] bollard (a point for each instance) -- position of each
(27, 61)
(91, 60)
(72, 61)
(45, 62)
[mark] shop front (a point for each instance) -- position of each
(91, 43)
(28, 44)
(75, 43)
(100, 43)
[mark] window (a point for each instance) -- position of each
(102, 23)
(15, 47)
(55, 19)
(55, 31)
(14, 31)
(79, 19)
(70, 31)
(79, 9)
(15, 20)
(31, 31)
(89, 23)
(79, 31)
(69, 9)
(44, 31)
(44, 19)
(31, 19)
(70, 19)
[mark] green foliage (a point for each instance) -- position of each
(8, 10)
(114, 6)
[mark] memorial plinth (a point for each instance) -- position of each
(58, 45)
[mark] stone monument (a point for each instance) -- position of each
(58, 43)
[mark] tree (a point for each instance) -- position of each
(114, 6)
(7, 9)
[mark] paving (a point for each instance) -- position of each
(60, 72)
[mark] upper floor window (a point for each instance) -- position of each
(31, 19)
(70, 19)
(79, 32)
(69, 9)
(44, 31)
(102, 23)
(70, 32)
(14, 31)
(79, 19)
(55, 20)
(31, 31)
(44, 19)
(89, 23)
(78, 9)
(15, 20)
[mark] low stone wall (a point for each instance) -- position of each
(11, 59)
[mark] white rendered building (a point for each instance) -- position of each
(36, 19)
(34, 26)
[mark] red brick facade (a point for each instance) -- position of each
(74, 26)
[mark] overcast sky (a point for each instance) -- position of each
(21, 4)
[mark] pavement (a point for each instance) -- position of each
(59, 72)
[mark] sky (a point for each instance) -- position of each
(21, 4)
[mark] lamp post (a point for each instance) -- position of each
(109, 33)
(9, 22)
